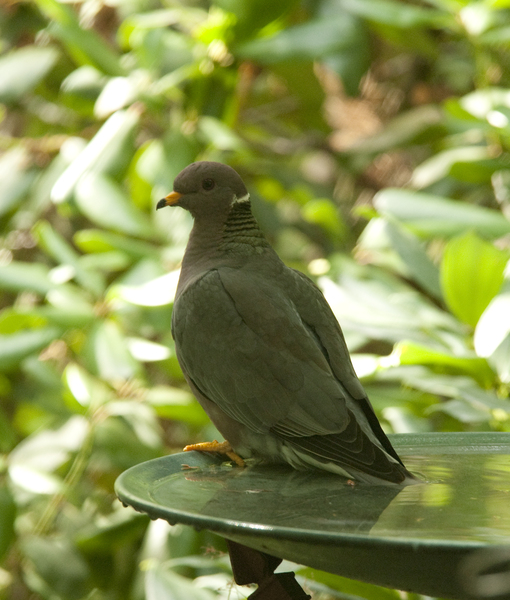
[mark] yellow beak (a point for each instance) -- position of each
(169, 200)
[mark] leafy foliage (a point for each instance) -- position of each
(375, 138)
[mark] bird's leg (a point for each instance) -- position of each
(215, 446)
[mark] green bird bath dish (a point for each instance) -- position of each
(448, 537)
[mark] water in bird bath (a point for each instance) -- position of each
(448, 537)
(465, 497)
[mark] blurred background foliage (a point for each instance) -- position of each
(374, 136)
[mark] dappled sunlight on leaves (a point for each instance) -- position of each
(373, 136)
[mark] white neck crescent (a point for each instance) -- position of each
(245, 198)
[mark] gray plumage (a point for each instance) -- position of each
(260, 346)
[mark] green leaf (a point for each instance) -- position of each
(477, 171)
(145, 351)
(492, 334)
(453, 106)
(19, 276)
(103, 202)
(13, 320)
(85, 45)
(308, 41)
(16, 178)
(119, 92)
(403, 420)
(158, 45)
(253, 15)
(112, 531)
(481, 102)
(140, 418)
(404, 129)
(45, 376)
(60, 566)
(420, 267)
(57, 247)
(472, 164)
(497, 36)
(34, 462)
(308, 96)
(396, 14)
(450, 386)
(379, 306)
(119, 445)
(86, 389)
(176, 404)
(348, 588)
(98, 241)
(85, 82)
(471, 275)
(140, 189)
(413, 354)
(7, 518)
(463, 411)
(323, 212)
(72, 317)
(164, 583)
(155, 292)
(108, 149)
(433, 216)
(113, 361)
(219, 135)
(68, 306)
(500, 361)
(107, 262)
(381, 236)
(21, 70)
(17, 346)
(8, 435)
(160, 162)
(494, 324)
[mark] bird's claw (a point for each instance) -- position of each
(219, 447)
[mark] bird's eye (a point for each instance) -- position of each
(208, 184)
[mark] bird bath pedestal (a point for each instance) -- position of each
(448, 537)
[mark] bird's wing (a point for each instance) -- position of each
(245, 346)
(315, 311)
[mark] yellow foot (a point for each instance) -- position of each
(215, 446)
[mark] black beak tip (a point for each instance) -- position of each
(161, 204)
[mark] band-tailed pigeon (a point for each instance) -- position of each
(260, 346)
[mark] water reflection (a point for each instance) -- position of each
(278, 497)
(466, 498)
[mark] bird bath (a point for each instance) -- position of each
(448, 537)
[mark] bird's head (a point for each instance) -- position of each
(205, 188)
